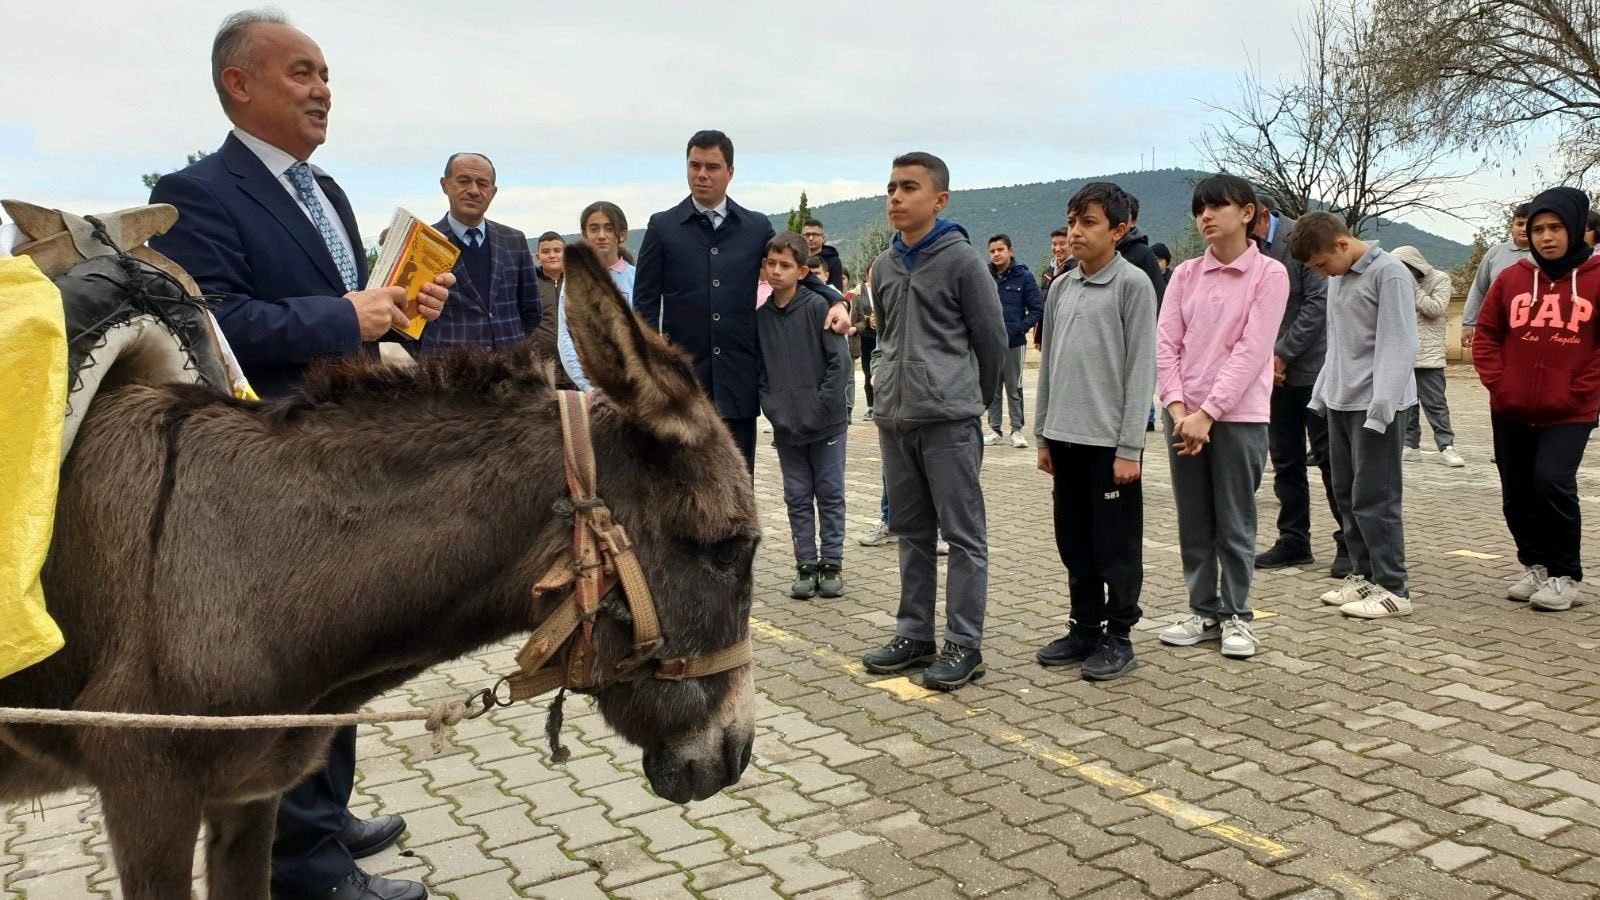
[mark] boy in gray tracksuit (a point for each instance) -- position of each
(803, 377)
(941, 343)
(1365, 388)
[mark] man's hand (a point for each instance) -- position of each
(1280, 369)
(838, 320)
(872, 321)
(1124, 471)
(379, 310)
(1045, 465)
(431, 297)
(1466, 337)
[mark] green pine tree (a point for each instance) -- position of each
(150, 178)
(798, 217)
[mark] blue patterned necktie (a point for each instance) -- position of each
(473, 238)
(300, 174)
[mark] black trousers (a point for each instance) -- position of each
(1291, 426)
(744, 437)
(307, 857)
(869, 343)
(1100, 536)
(1539, 490)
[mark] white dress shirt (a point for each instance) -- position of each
(278, 163)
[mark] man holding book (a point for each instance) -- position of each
(276, 240)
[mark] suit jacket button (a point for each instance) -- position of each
(716, 282)
(716, 317)
(713, 251)
(716, 351)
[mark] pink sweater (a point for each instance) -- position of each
(1215, 335)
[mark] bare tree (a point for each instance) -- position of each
(1485, 72)
(1332, 137)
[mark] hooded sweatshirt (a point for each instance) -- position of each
(941, 337)
(1135, 248)
(1433, 300)
(1535, 348)
(804, 370)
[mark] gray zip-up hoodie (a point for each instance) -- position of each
(804, 371)
(1496, 259)
(1097, 371)
(941, 337)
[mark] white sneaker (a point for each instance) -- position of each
(1529, 584)
(1411, 454)
(878, 536)
(1190, 631)
(992, 438)
(1238, 641)
(1354, 588)
(1377, 604)
(1449, 457)
(1018, 441)
(1556, 595)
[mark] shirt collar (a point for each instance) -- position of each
(1210, 263)
(620, 266)
(1101, 277)
(721, 208)
(461, 230)
(1366, 259)
(1272, 229)
(277, 161)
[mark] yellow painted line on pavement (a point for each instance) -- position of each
(1185, 814)
(1354, 887)
(1473, 554)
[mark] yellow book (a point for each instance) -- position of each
(413, 254)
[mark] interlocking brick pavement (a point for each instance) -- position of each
(1450, 754)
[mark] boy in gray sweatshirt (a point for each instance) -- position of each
(941, 343)
(1097, 372)
(1365, 383)
(803, 378)
(1496, 259)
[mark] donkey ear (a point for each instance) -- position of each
(648, 380)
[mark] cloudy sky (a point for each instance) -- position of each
(583, 101)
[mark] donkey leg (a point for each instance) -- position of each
(239, 849)
(153, 828)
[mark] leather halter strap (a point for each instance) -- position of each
(600, 547)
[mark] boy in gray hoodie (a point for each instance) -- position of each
(941, 343)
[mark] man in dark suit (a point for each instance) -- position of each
(496, 300)
(1297, 358)
(277, 241)
(696, 284)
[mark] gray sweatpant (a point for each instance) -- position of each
(1216, 497)
(1430, 399)
(1011, 389)
(1367, 487)
(931, 473)
(813, 489)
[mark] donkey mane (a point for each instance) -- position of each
(492, 377)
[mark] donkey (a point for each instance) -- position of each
(220, 556)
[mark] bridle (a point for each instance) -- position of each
(600, 548)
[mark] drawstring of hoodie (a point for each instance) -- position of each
(1553, 284)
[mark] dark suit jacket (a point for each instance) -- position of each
(697, 286)
(245, 240)
(1303, 333)
(503, 312)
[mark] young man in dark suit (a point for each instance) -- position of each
(276, 240)
(696, 284)
(496, 301)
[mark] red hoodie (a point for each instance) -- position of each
(1538, 356)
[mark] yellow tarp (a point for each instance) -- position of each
(33, 402)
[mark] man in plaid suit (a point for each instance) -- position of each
(495, 302)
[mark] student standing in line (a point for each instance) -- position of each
(1214, 373)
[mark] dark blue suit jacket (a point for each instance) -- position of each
(697, 286)
(245, 240)
(503, 312)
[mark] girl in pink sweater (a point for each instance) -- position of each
(1214, 375)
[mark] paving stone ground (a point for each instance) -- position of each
(1453, 754)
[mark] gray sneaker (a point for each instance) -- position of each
(1557, 595)
(878, 536)
(1191, 631)
(1238, 641)
(1529, 584)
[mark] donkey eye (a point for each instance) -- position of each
(728, 554)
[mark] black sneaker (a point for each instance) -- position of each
(829, 582)
(955, 666)
(1076, 647)
(899, 653)
(805, 580)
(1113, 658)
(1341, 567)
(1282, 556)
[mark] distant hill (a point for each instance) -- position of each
(1028, 213)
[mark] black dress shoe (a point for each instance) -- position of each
(1282, 556)
(1076, 647)
(358, 885)
(364, 837)
(955, 666)
(899, 653)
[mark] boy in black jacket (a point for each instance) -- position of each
(804, 379)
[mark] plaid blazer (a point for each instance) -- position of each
(502, 313)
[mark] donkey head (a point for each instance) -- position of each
(671, 475)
